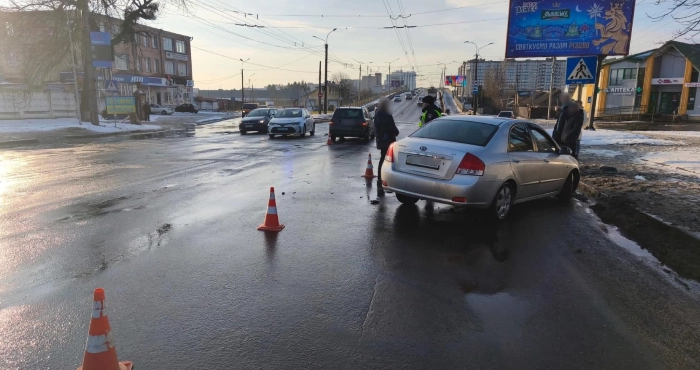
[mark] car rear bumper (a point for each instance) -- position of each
(349, 131)
(478, 193)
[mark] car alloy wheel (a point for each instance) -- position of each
(503, 202)
(303, 133)
(163, 113)
(313, 130)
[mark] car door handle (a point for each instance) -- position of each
(546, 160)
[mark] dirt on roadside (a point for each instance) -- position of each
(657, 207)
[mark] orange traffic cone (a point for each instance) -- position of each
(271, 223)
(100, 353)
(369, 172)
(329, 141)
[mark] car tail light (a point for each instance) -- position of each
(390, 153)
(332, 122)
(471, 165)
(459, 199)
(363, 124)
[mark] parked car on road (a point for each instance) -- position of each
(159, 109)
(409, 96)
(352, 122)
(506, 114)
(480, 162)
(291, 121)
(187, 108)
(257, 120)
(248, 107)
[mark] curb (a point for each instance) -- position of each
(15, 143)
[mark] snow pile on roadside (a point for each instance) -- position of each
(601, 152)
(683, 161)
(41, 125)
(694, 134)
(612, 137)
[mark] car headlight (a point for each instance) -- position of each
(261, 121)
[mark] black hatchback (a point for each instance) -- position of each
(257, 120)
(352, 122)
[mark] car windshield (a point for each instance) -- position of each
(505, 114)
(466, 132)
(348, 113)
(289, 113)
(259, 113)
(250, 106)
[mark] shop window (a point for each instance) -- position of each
(121, 62)
(180, 47)
(629, 74)
(692, 94)
(167, 44)
(169, 68)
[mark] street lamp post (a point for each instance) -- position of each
(325, 93)
(475, 100)
(242, 86)
(388, 77)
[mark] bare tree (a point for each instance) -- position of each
(494, 86)
(37, 31)
(346, 88)
(685, 12)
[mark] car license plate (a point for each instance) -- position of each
(423, 161)
(248, 125)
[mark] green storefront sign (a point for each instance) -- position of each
(120, 104)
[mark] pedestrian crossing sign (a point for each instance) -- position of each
(581, 70)
(111, 85)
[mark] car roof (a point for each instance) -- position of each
(491, 120)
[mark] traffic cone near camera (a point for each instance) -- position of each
(272, 222)
(329, 141)
(369, 171)
(100, 353)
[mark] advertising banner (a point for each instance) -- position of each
(562, 28)
(455, 81)
(120, 104)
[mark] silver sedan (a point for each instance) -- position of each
(481, 162)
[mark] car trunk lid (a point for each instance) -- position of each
(430, 158)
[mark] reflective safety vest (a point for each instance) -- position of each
(423, 117)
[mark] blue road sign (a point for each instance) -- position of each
(111, 85)
(581, 70)
(475, 90)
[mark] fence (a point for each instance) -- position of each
(22, 102)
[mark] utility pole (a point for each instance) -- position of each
(476, 83)
(319, 86)
(89, 100)
(551, 84)
(325, 86)
(242, 83)
(591, 116)
(359, 85)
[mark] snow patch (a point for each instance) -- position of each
(640, 178)
(42, 125)
(602, 152)
(682, 161)
(612, 137)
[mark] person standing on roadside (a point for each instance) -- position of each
(570, 128)
(385, 134)
(580, 135)
(558, 125)
(430, 111)
(146, 112)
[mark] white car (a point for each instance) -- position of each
(158, 109)
(291, 121)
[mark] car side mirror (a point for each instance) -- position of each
(565, 150)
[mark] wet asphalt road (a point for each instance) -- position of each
(168, 228)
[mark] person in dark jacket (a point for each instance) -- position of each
(558, 126)
(571, 127)
(385, 131)
(146, 112)
(430, 111)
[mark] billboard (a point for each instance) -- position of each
(120, 104)
(455, 81)
(563, 28)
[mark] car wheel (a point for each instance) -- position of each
(272, 136)
(313, 130)
(500, 207)
(405, 199)
(163, 113)
(303, 132)
(569, 188)
(243, 132)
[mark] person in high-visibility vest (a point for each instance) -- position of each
(430, 111)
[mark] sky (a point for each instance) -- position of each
(286, 48)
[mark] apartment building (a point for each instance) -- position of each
(521, 75)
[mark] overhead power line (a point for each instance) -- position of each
(381, 16)
(251, 63)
